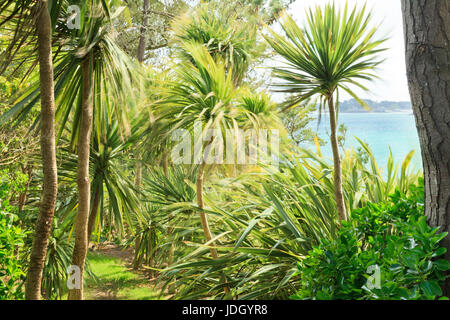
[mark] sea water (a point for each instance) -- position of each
(380, 130)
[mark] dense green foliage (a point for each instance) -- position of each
(264, 218)
(392, 237)
(265, 221)
(11, 244)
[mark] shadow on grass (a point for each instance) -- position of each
(115, 281)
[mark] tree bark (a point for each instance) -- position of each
(150, 252)
(50, 180)
(170, 229)
(166, 164)
(171, 288)
(137, 241)
(204, 217)
(84, 192)
(94, 213)
(138, 179)
(426, 27)
(140, 57)
(137, 258)
(142, 42)
(337, 180)
(201, 205)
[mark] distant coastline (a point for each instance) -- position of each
(352, 106)
(407, 112)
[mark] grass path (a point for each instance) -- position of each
(115, 279)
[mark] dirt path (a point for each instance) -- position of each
(111, 250)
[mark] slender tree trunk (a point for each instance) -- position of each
(141, 47)
(138, 179)
(50, 181)
(94, 213)
(204, 217)
(84, 192)
(166, 164)
(201, 205)
(140, 57)
(150, 252)
(137, 241)
(338, 193)
(427, 28)
(137, 257)
(171, 288)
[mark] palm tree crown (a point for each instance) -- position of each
(334, 51)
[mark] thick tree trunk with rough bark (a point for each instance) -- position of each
(50, 181)
(84, 192)
(427, 28)
(337, 180)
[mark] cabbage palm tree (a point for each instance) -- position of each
(203, 94)
(224, 33)
(89, 70)
(96, 70)
(334, 51)
(108, 153)
(30, 25)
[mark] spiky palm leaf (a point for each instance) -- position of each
(336, 50)
(265, 227)
(113, 72)
(224, 34)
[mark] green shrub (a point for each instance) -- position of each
(11, 242)
(392, 238)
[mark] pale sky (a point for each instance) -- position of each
(392, 84)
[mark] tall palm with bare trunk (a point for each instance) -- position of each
(103, 72)
(30, 24)
(203, 101)
(202, 94)
(333, 51)
(50, 181)
(89, 70)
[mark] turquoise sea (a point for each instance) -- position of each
(381, 131)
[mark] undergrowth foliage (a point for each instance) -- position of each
(11, 243)
(231, 229)
(265, 221)
(392, 237)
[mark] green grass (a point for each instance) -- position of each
(115, 281)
